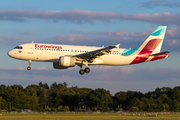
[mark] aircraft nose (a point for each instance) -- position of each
(10, 53)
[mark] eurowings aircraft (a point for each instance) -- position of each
(65, 56)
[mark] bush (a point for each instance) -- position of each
(134, 109)
(60, 108)
(94, 109)
(119, 109)
(54, 109)
(104, 109)
(48, 109)
(78, 110)
(66, 108)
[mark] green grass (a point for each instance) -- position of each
(87, 117)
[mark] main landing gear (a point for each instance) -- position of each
(86, 70)
(29, 67)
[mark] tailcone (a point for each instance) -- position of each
(167, 56)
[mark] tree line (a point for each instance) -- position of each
(60, 97)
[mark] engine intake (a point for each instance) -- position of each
(67, 61)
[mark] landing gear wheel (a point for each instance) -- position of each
(81, 72)
(28, 68)
(87, 70)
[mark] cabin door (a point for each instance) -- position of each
(30, 49)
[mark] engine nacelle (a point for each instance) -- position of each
(67, 61)
(57, 66)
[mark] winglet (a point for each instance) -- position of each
(117, 46)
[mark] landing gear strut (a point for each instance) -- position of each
(29, 67)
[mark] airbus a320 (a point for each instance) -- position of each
(65, 56)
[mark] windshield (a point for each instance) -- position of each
(18, 47)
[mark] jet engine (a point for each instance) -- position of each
(57, 66)
(67, 61)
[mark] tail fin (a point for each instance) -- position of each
(154, 42)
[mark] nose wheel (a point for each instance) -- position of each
(29, 67)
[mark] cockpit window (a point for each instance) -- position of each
(18, 47)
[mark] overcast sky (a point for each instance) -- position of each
(91, 23)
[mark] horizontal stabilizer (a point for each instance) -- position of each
(160, 53)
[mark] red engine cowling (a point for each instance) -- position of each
(67, 61)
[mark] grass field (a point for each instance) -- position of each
(87, 117)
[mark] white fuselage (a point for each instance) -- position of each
(52, 52)
(65, 56)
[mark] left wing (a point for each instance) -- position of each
(90, 56)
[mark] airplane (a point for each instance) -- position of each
(65, 56)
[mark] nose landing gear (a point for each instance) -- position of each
(29, 67)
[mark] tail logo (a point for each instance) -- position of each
(152, 44)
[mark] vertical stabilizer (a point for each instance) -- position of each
(154, 42)
(151, 46)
